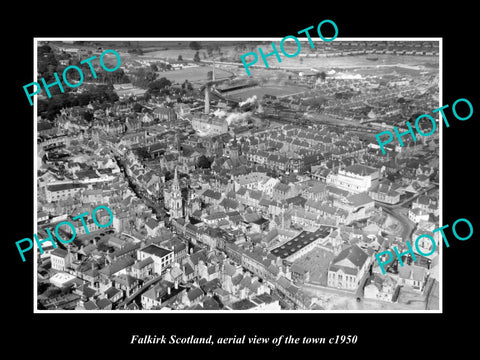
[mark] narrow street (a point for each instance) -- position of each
(156, 207)
(140, 291)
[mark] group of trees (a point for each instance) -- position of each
(115, 77)
(194, 45)
(143, 76)
(160, 66)
(187, 85)
(196, 57)
(204, 162)
(102, 94)
(159, 87)
(47, 63)
(321, 75)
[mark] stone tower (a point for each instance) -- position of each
(176, 201)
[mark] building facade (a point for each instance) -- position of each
(355, 178)
(162, 258)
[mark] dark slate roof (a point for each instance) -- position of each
(356, 255)
(194, 293)
(360, 169)
(59, 252)
(156, 250)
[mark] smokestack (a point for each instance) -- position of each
(213, 70)
(207, 99)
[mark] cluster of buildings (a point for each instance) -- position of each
(204, 219)
(349, 48)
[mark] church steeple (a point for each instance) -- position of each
(178, 145)
(176, 183)
(176, 201)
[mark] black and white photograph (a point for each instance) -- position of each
(267, 192)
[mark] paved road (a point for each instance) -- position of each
(395, 211)
(145, 286)
(407, 224)
(409, 200)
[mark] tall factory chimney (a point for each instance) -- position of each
(207, 98)
(213, 70)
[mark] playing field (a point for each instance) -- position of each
(196, 75)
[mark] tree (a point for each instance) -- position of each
(88, 116)
(203, 162)
(154, 67)
(84, 98)
(143, 77)
(180, 58)
(52, 292)
(210, 50)
(137, 107)
(157, 86)
(168, 175)
(194, 45)
(196, 58)
(143, 153)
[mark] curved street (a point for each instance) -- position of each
(407, 224)
(395, 211)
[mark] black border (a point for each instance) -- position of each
(110, 334)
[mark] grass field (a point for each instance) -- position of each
(194, 75)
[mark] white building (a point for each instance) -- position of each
(162, 258)
(356, 178)
(209, 126)
(60, 259)
(61, 279)
(267, 185)
(417, 215)
(348, 268)
(62, 191)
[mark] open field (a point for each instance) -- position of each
(194, 75)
